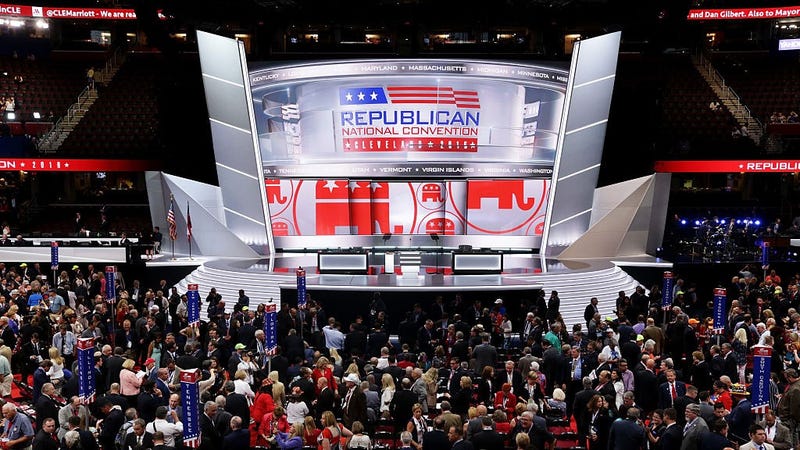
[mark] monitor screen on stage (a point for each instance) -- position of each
(407, 147)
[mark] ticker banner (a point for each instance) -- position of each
(50, 12)
(781, 12)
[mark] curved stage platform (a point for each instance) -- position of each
(575, 280)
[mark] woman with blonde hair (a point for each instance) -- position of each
(416, 426)
(333, 434)
(324, 369)
(278, 393)
(242, 386)
(431, 379)
(56, 371)
(248, 366)
(739, 346)
(359, 441)
(387, 391)
(292, 440)
(129, 383)
(310, 432)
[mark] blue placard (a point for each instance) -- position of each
(720, 302)
(190, 401)
(87, 385)
(54, 256)
(666, 292)
(193, 304)
(271, 328)
(301, 288)
(111, 291)
(759, 400)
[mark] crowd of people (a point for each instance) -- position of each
(457, 376)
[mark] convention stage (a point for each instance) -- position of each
(266, 280)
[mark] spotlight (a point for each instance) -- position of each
(697, 222)
(37, 115)
(683, 221)
(722, 221)
(757, 222)
(12, 116)
(738, 221)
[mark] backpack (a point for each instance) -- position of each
(119, 439)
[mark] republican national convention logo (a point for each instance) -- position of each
(409, 118)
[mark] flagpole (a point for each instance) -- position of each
(189, 229)
(172, 238)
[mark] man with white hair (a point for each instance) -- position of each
(18, 432)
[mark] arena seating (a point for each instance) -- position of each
(124, 119)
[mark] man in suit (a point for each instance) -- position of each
(576, 367)
(73, 408)
(113, 420)
(87, 439)
(777, 434)
(695, 425)
(325, 399)
(758, 439)
(222, 420)
(590, 311)
(448, 418)
(627, 434)
(139, 439)
(238, 438)
(730, 368)
(680, 404)
(673, 434)
(452, 376)
(402, 402)
(716, 438)
(354, 407)
(485, 354)
(236, 404)
(487, 438)
(46, 406)
(670, 390)
(113, 365)
(646, 385)
(436, 439)
(33, 352)
(510, 376)
(456, 436)
(46, 438)
(579, 407)
(211, 438)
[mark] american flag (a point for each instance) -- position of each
(412, 95)
(188, 223)
(173, 226)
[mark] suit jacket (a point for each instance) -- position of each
(113, 366)
(400, 407)
(672, 437)
(690, 437)
(502, 377)
(325, 401)
(237, 440)
(130, 441)
(665, 394)
(463, 445)
(236, 404)
(44, 441)
(782, 439)
(211, 438)
(730, 368)
(485, 355)
(626, 435)
(45, 408)
(356, 410)
(646, 384)
(713, 441)
(436, 440)
(486, 440)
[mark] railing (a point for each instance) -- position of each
(730, 94)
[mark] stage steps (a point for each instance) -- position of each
(575, 288)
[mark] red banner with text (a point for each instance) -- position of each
(730, 166)
(78, 165)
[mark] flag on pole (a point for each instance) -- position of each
(188, 223)
(173, 226)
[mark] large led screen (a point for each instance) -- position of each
(317, 207)
(408, 119)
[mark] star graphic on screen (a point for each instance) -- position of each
(330, 185)
(373, 96)
(376, 186)
(355, 185)
(361, 96)
(349, 97)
